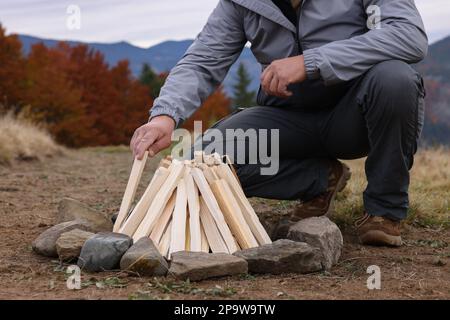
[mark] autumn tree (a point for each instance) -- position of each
(12, 73)
(82, 100)
(242, 95)
(133, 98)
(52, 99)
(73, 92)
(91, 74)
(116, 103)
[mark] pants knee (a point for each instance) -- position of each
(396, 86)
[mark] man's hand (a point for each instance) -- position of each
(281, 73)
(153, 136)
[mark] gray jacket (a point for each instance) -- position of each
(333, 36)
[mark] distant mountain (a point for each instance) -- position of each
(162, 57)
(436, 71)
(437, 63)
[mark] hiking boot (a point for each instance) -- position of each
(323, 204)
(378, 231)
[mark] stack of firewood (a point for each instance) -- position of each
(193, 205)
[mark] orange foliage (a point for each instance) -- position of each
(11, 69)
(134, 100)
(52, 98)
(73, 92)
(79, 98)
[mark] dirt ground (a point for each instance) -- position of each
(29, 197)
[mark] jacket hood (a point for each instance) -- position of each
(267, 9)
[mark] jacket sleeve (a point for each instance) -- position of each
(400, 36)
(204, 65)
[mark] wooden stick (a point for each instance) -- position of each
(237, 245)
(209, 159)
(164, 244)
(178, 237)
(164, 163)
(231, 167)
(207, 173)
(130, 190)
(161, 198)
(210, 174)
(205, 244)
(163, 220)
(212, 233)
(214, 208)
(233, 214)
(194, 214)
(137, 215)
(199, 156)
(187, 242)
(217, 158)
(224, 172)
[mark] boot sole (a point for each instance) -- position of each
(380, 238)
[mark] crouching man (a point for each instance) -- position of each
(336, 81)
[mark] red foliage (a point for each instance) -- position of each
(73, 92)
(79, 98)
(51, 98)
(11, 69)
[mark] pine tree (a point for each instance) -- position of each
(242, 96)
(152, 80)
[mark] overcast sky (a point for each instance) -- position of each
(146, 22)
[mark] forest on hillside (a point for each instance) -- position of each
(78, 97)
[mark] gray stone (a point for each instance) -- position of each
(197, 266)
(103, 251)
(322, 233)
(282, 256)
(144, 259)
(281, 229)
(45, 243)
(69, 244)
(70, 209)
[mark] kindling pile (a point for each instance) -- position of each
(192, 205)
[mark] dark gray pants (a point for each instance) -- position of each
(381, 116)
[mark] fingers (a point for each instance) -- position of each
(273, 88)
(264, 73)
(276, 86)
(138, 134)
(276, 78)
(273, 85)
(282, 90)
(267, 80)
(159, 145)
(144, 143)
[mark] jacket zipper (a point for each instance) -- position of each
(297, 38)
(297, 25)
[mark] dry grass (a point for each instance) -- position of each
(21, 140)
(429, 191)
